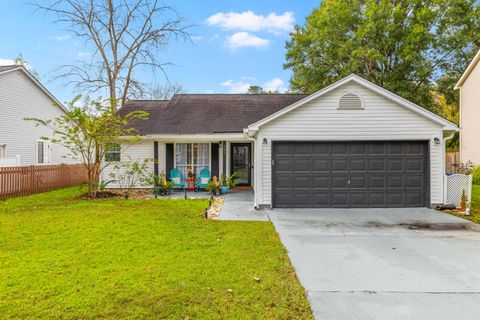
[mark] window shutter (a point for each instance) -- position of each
(169, 158)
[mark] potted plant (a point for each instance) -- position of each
(161, 185)
(166, 186)
(214, 186)
(232, 180)
(224, 184)
(156, 181)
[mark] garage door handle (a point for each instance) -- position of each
(348, 182)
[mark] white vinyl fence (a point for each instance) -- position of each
(454, 186)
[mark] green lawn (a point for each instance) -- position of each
(475, 205)
(61, 257)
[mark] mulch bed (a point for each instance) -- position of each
(120, 193)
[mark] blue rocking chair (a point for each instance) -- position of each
(177, 178)
(203, 179)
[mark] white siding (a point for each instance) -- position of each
(382, 119)
(470, 117)
(20, 98)
(136, 152)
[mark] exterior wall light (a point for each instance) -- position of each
(436, 140)
(265, 141)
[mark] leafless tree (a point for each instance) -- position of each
(124, 35)
(165, 92)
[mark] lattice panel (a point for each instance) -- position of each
(454, 186)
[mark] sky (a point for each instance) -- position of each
(235, 44)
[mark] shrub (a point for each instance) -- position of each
(476, 175)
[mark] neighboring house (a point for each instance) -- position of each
(469, 86)
(21, 143)
(351, 144)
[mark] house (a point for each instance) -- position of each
(469, 86)
(21, 143)
(351, 144)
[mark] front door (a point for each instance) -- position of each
(240, 162)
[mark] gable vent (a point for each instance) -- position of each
(350, 101)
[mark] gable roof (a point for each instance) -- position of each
(12, 68)
(357, 79)
(206, 113)
(467, 71)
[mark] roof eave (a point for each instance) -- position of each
(467, 71)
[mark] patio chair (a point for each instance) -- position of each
(177, 178)
(203, 179)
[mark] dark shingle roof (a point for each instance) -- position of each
(4, 68)
(207, 113)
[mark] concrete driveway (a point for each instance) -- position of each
(384, 263)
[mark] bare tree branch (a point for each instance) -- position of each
(124, 36)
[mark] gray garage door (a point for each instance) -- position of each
(350, 174)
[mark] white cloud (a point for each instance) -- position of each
(196, 38)
(276, 84)
(60, 38)
(245, 39)
(84, 54)
(236, 87)
(250, 21)
(6, 62)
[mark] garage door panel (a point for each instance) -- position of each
(339, 181)
(321, 181)
(414, 165)
(320, 199)
(302, 164)
(376, 164)
(350, 174)
(284, 164)
(302, 182)
(395, 199)
(283, 181)
(395, 164)
(376, 181)
(414, 181)
(395, 181)
(377, 199)
(321, 165)
(358, 181)
(358, 199)
(339, 164)
(376, 148)
(340, 199)
(358, 164)
(358, 148)
(303, 149)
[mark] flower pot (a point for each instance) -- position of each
(224, 189)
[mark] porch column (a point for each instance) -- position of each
(224, 153)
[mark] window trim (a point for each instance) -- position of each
(3, 150)
(48, 144)
(209, 154)
(362, 107)
(108, 152)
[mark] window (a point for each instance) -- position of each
(350, 101)
(192, 156)
(112, 153)
(44, 151)
(3, 150)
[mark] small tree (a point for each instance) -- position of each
(88, 131)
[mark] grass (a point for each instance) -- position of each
(62, 257)
(474, 205)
